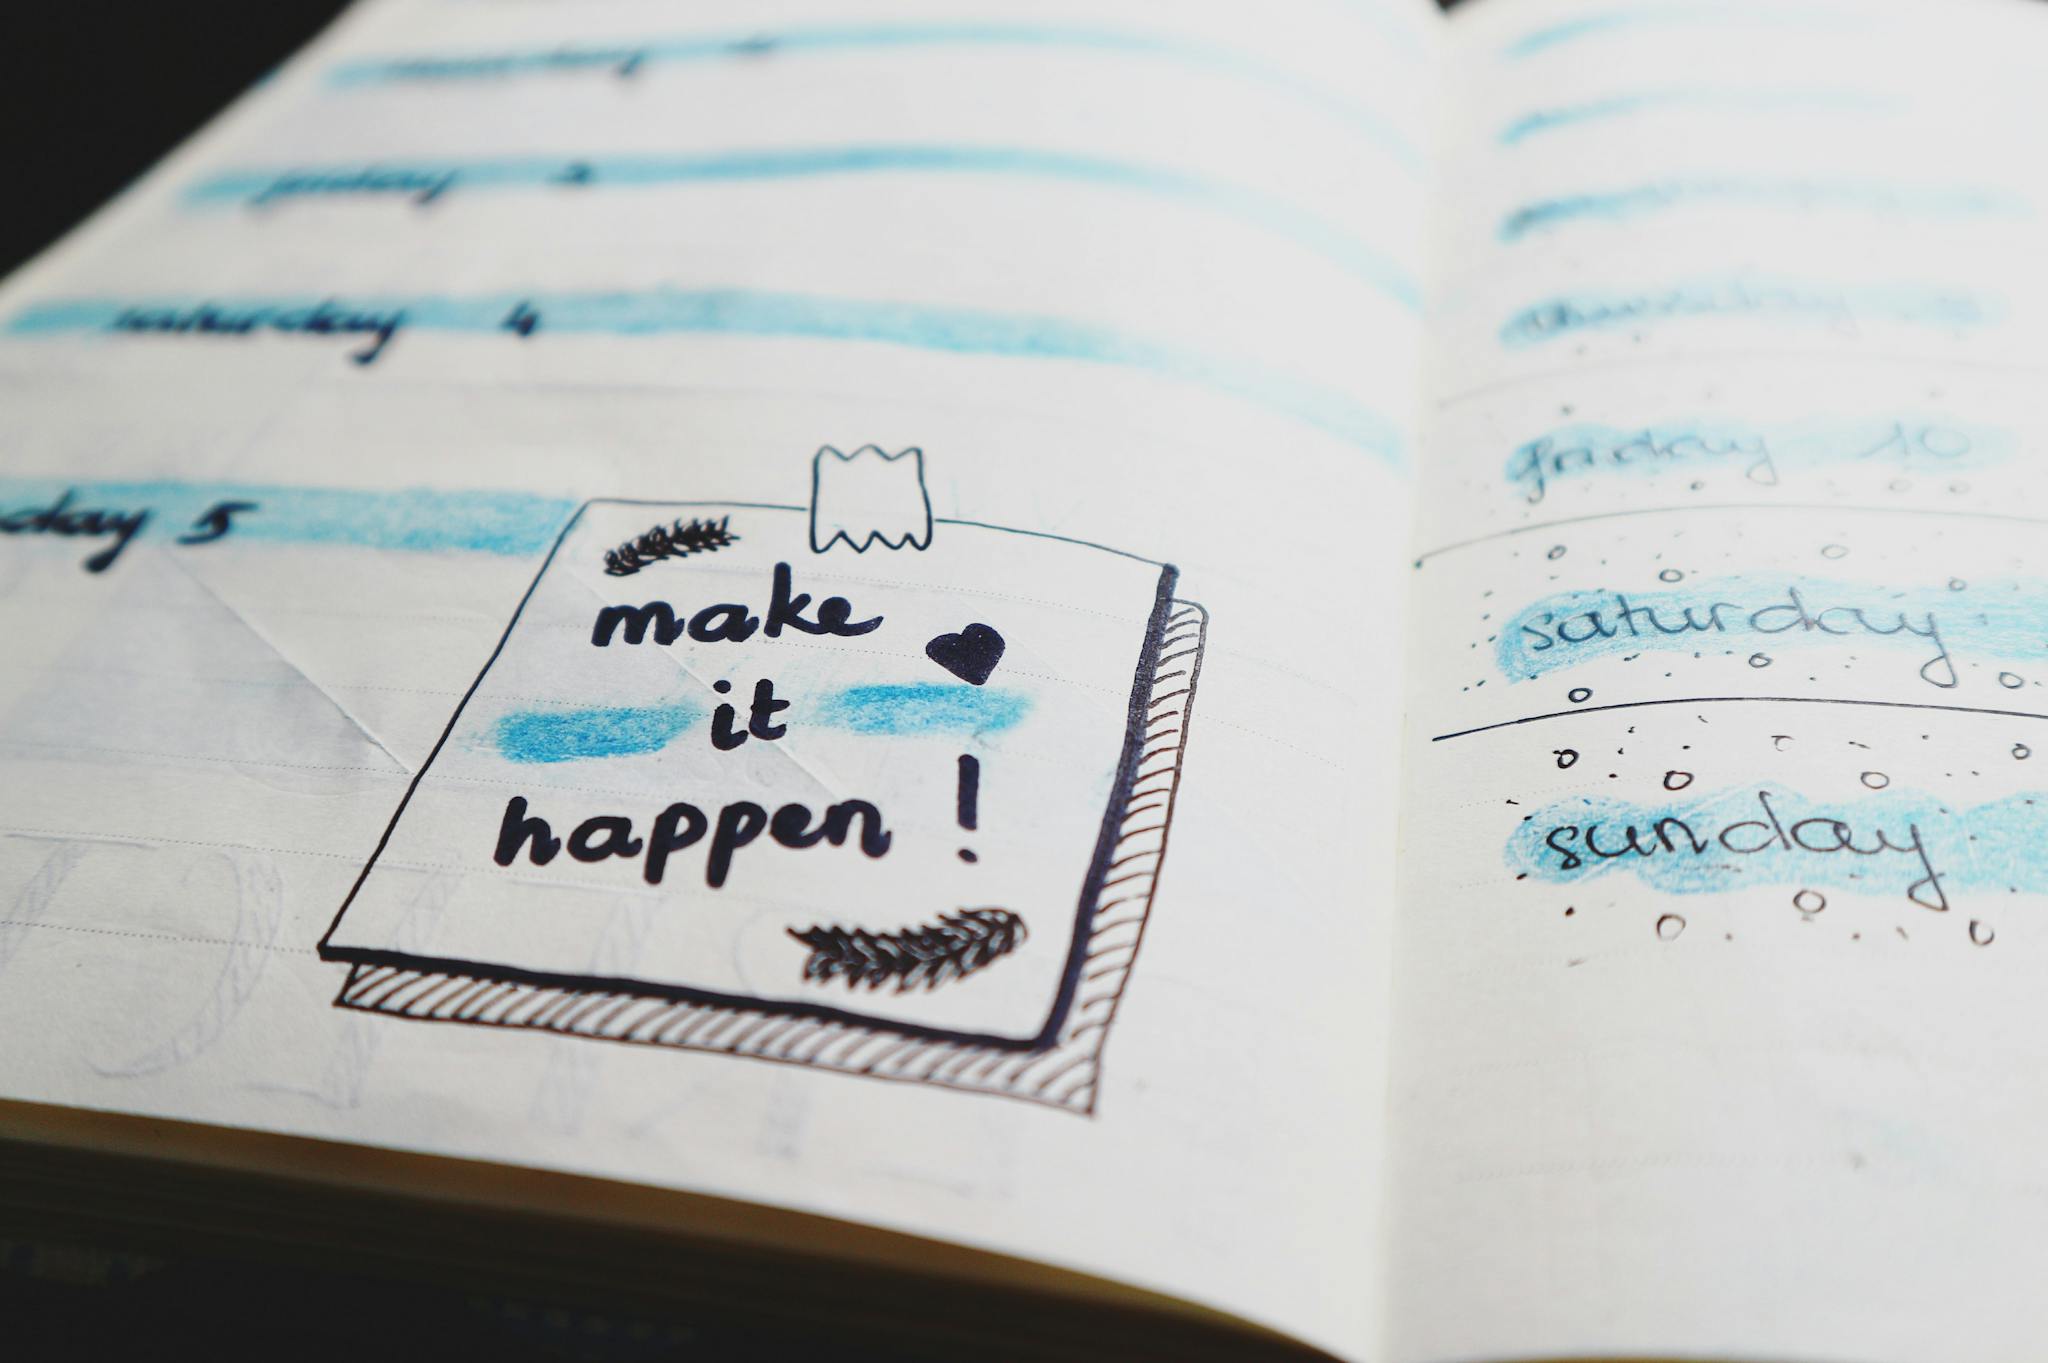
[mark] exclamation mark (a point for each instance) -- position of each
(969, 806)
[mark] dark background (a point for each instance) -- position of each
(93, 92)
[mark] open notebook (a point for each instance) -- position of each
(1374, 675)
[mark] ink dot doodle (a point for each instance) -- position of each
(1669, 926)
(1834, 550)
(2010, 681)
(1809, 902)
(1981, 933)
(1677, 780)
(1759, 660)
(1565, 757)
(1876, 780)
(1671, 575)
(1956, 584)
(1579, 695)
(1556, 551)
(2021, 752)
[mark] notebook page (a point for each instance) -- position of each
(1718, 984)
(624, 590)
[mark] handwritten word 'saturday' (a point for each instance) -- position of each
(216, 319)
(1546, 639)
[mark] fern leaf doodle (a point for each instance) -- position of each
(929, 955)
(679, 539)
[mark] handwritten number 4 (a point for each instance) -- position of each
(522, 319)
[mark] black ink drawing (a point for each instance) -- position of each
(678, 539)
(737, 960)
(971, 655)
(860, 498)
(911, 958)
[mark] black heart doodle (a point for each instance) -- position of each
(969, 655)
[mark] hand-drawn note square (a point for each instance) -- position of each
(896, 812)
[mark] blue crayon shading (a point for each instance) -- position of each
(1897, 843)
(426, 520)
(632, 59)
(922, 708)
(1621, 205)
(1828, 304)
(428, 181)
(1557, 35)
(576, 735)
(1718, 15)
(1754, 101)
(736, 312)
(1905, 444)
(1983, 621)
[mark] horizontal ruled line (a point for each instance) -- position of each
(628, 59)
(1808, 354)
(429, 180)
(1740, 700)
(514, 317)
(1533, 526)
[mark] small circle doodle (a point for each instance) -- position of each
(1943, 443)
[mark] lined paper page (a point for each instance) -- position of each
(1719, 984)
(556, 526)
